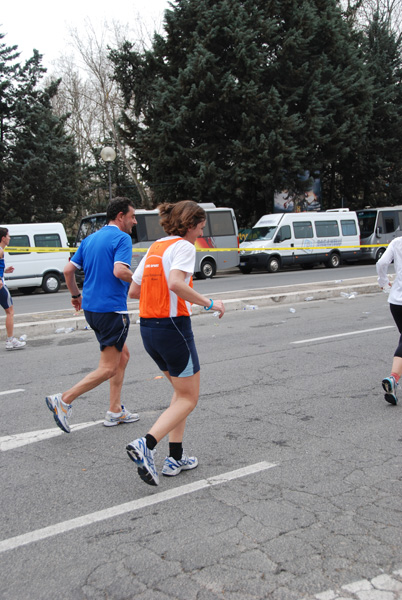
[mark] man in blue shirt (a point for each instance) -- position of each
(105, 257)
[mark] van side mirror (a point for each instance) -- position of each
(278, 239)
(378, 231)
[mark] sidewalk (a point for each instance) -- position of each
(45, 323)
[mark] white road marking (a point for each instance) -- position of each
(11, 392)
(382, 586)
(337, 335)
(10, 442)
(115, 511)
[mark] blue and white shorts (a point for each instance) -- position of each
(5, 297)
(170, 342)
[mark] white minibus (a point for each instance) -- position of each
(304, 239)
(220, 232)
(34, 269)
(378, 227)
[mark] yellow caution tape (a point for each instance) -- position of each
(26, 249)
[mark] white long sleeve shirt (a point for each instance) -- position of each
(392, 253)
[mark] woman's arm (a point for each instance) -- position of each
(177, 284)
(382, 266)
(135, 290)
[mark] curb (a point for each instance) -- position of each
(44, 324)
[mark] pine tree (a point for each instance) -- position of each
(374, 176)
(242, 96)
(40, 170)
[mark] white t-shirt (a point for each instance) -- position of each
(392, 253)
(180, 255)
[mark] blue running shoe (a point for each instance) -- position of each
(173, 467)
(144, 459)
(389, 385)
(61, 411)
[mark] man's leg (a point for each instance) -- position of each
(116, 382)
(9, 321)
(107, 368)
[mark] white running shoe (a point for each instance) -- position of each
(173, 467)
(124, 416)
(61, 411)
(144, 459)
(15, 344)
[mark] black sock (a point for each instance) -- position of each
(151, 441)
(176, 450)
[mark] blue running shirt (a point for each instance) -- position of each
(97, 255)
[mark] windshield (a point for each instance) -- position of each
(367, 222)
(261, 233)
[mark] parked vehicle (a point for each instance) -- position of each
(304, 239)
(34, 269)
(220, 232)
(378, 227)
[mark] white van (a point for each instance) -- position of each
(304, 239)
(34, 269)
(378, 227)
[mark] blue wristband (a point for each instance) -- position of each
(210, 306)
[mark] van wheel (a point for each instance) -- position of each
(208, 270)
(334, 261)
(273, 264)
(51, 283)
(380, 252)
(27, 290)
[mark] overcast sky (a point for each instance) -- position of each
(44, 24)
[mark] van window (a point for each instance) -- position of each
(47, 240)
(221, 223)
(261, 233)
(303, 229)
(390, 221)
(348, 227)
(283, 234)
(327, 228)
(367, 221)
(89, 225)
(149, 228)
(19, 240)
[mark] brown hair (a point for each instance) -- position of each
(3, 232)
(178, 218)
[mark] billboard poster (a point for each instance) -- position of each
(307, 198)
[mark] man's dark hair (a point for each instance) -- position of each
(3, 232)
(116, 206)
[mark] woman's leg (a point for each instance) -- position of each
(173, 420)
(396, 311)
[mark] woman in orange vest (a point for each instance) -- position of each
(163, 283)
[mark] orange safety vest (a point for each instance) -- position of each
(156, 298)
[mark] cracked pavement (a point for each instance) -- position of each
(324, 524)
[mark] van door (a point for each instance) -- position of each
(284, 240)
(388, 223)
(304, 242)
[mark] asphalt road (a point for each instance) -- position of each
(292, 400)
(223, 282)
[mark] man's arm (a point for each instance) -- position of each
(69, 275)
(122, 271)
